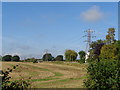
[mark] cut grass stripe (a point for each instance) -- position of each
(65, 80)
(44, 69)
(45, 79)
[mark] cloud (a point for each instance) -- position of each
(92, 14)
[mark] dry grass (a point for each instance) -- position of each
(50, 74)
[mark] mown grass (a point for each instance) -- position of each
(61, 74)
(65, 80)
(77, 64)
(34, 67)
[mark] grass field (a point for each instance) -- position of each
(49, 74)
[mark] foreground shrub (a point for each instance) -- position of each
(10, 85)
(103, 74)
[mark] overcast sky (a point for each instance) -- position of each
(31, 28)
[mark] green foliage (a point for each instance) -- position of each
(103, 74)
(106, 72)
(35, 61)
(108, 52)
(30, 59)
(117, 45)
(47, 57)
(110, 37)
(95, 50)
(59, 58)
(15, 58)
(95, 43)
(6, 58)
(10, 58)
(82, 55)
(81, 61)
(10, 85)
(70, 55)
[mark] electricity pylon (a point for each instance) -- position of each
(46, 51)
(89, 40)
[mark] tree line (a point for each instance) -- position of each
(11, 58)
(105, 49)
(70, 55)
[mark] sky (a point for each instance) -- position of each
(30, 29)
(60, 0)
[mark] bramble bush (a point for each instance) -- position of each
(11, 85)
(103, 74)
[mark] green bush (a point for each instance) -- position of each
(15, 58)
(82, 60)
(13, 85)
(59, 58)
(70, 55)
(6, 58)
(103, 74)
(48, 57)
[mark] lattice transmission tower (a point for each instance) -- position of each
(89, 40)
(46, 51)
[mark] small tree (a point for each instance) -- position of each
(70, 55)
(59, 58)
(97, 51)
(111, 36)
(82, 55)
(6, 58)
(15, 58)
(108, 52)
(47, 57)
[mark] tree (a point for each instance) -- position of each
(59, 58)
(111, 36)
(82, 55)
(7, 58)
(70, 55)
(95, 43)
(15, 58)
(95, 48)
(47, 57)
(97, 51)
(108, 52)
